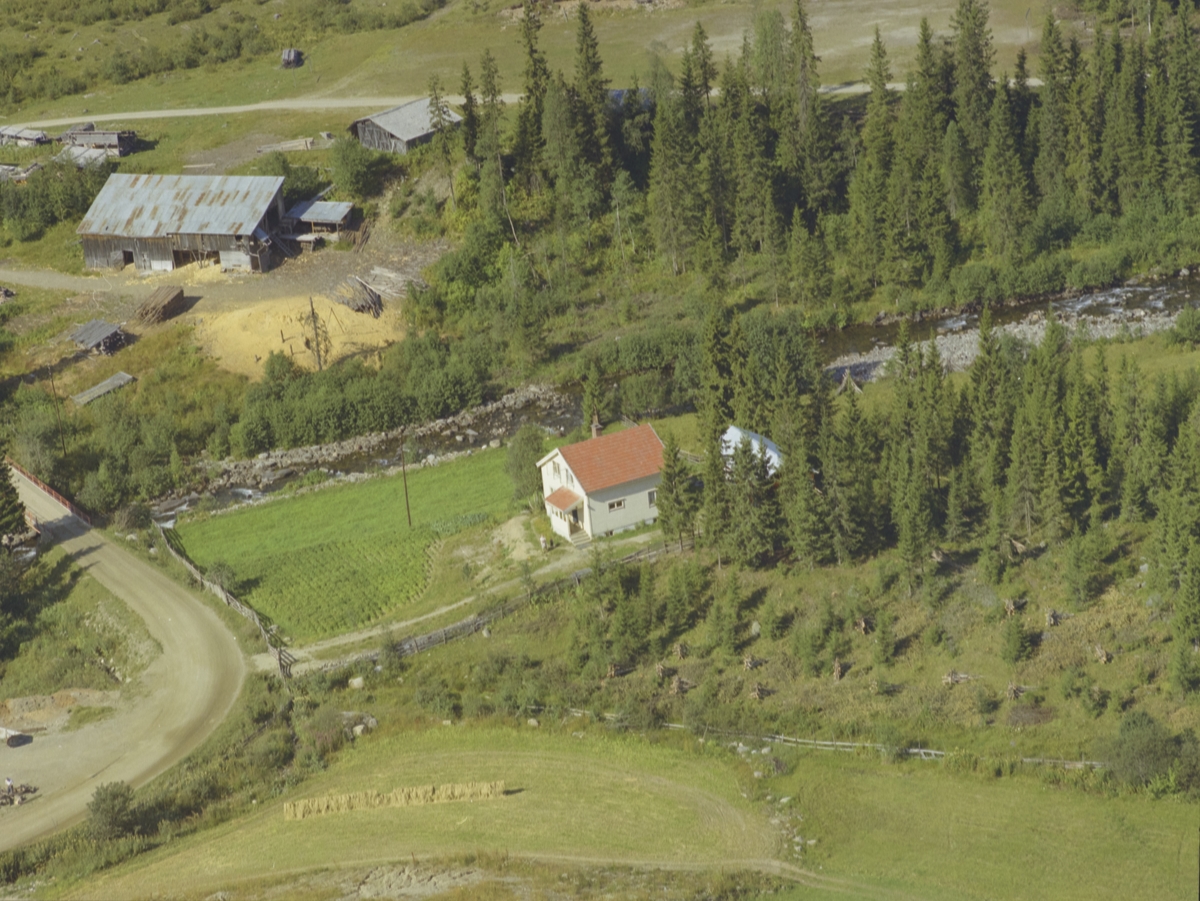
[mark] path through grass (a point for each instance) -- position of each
(344, 557)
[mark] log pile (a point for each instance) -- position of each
(165, 303)
(361, 297)
(954, 677)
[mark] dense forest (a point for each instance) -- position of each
(961, 188)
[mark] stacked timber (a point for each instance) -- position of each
(361, 298)
(165, 303)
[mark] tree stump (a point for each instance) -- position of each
(681, 651)
(1010, 607)
(1053, 618)
(862, 625)
(750, 662)
(1102, 655)
(612, 671)
(660, 670)
(677, 686)
(1012, 692)
(759, 691)
(837, 670)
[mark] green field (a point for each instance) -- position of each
(881, 830)
(344, 557)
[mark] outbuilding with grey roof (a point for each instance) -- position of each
(398, 130)
(158, 222)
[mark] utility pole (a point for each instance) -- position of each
(404, 478)
(58, 413)
(316, 333)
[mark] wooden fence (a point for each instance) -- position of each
(70, 505)
(270, 634)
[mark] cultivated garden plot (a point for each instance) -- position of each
(344, 557)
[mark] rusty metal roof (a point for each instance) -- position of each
(155, 206)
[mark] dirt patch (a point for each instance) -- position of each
(410, 882)
(511, 536)
(240, 338)
(51, 712)
(565, 8)
(221, 159)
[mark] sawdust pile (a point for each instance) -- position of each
(400, 797)
(241, 338)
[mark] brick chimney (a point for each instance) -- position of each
(595, 426)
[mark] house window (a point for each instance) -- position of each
(616, 505)
(557, 471)
(653, 495)
(570, 479)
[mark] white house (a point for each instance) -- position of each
(603, 485)
(765, 446)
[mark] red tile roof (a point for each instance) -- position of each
(615, 459)
(563, 498)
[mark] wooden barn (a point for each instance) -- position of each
(398, 130)
(113, 144)
(158, 222)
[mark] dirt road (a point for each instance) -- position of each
(178, 702)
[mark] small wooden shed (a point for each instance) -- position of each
(99, 336)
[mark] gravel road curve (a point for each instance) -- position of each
(177, 703)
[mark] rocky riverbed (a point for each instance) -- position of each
(485, 426)
(959, 347)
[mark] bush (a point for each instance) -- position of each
(524, 451)
(110, 812)
(1142, 750)
(1186, 331)
(1014, 643)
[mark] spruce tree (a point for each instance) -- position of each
(973, 56)
(1005, 208)
(753, 507)
(1050, 164)
(527, 143)
(868, 186)
(675, 500)
(716, 498)
(590, 96)
(12, 511)
(885, 639)
(674, 203)
(470, 113)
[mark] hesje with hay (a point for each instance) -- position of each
(400, 797)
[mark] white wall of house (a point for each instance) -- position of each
(621, 507)
(556, 474)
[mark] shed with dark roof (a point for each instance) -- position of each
(158, 222)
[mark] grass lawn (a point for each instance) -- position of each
(344, 557)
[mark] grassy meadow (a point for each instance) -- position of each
(399, 62)
(582, 795)
(344, 557)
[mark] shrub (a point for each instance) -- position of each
(1186, 331)
(1014, 643)
(110, 812)
(1142, 750)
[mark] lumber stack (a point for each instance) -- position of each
(163, 304)
(361, 297)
